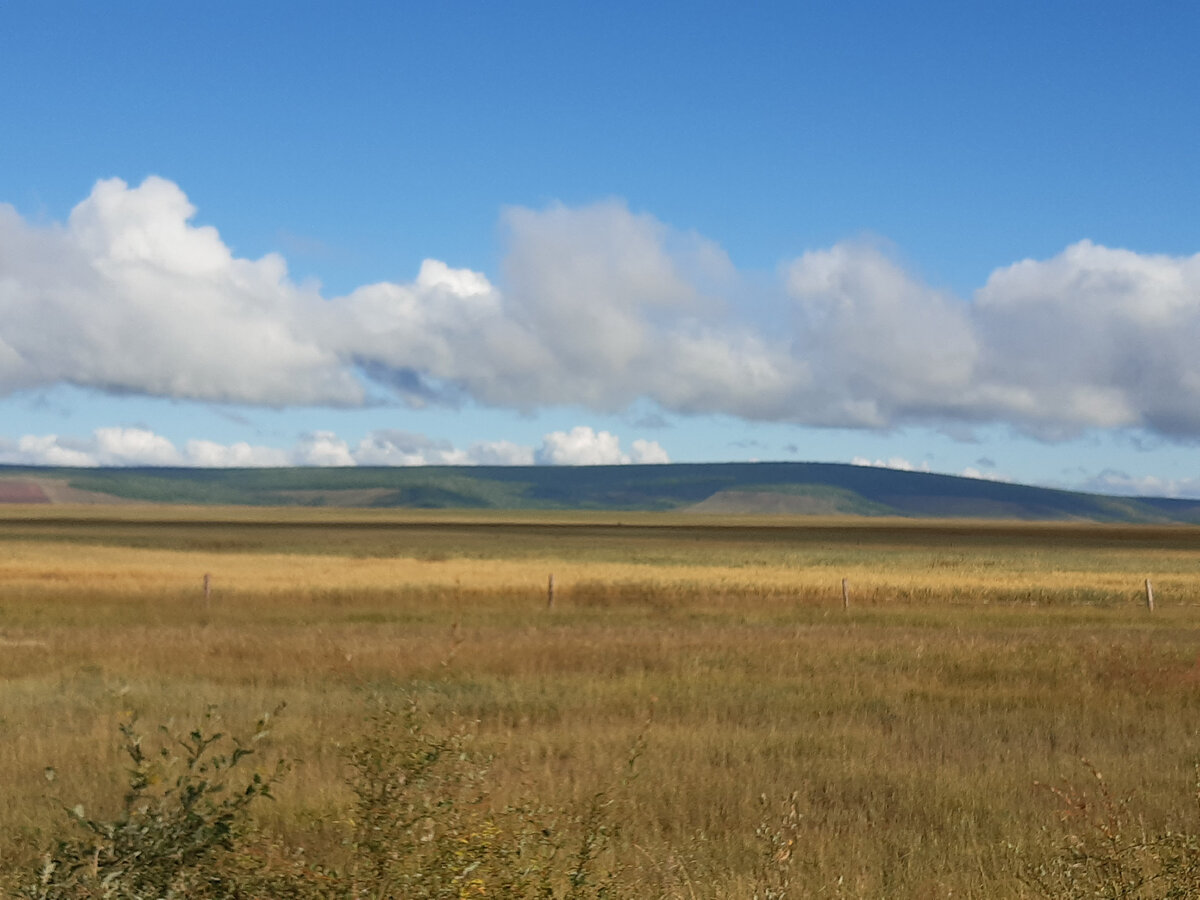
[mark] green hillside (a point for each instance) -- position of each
(783, 488)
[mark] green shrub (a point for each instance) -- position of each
(1106, 851)
(423, 826)
(183, 809)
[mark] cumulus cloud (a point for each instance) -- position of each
(49, 450)
(1114, 481)
(240, 455)
(117, 446)
(903, 465)
(883, 346)
(401, 448)
(128, 296)
(323, 448)
(584, 446)
(893, 462)
(973, 472)
(600, 307)
(501, 453)
(648, 453)
(581, 446)
(134, 447)
(1093, 337)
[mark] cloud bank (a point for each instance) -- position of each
(597, 307)
(117, 446)
(901, 464)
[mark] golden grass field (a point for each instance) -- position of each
(975, 659)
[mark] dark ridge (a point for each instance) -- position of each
(860, 490)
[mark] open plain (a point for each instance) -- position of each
(902, 735)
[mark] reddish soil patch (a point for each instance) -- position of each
(22, 492)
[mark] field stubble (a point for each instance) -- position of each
(974, 660)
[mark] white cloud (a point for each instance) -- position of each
(581, 446)
(401, 448)
(118, 446)
(211, 455)
(128, 296)
(599, 307)
(973, 472)
(893, 462)
(501, 453)
(647, 452)
(901, 464)
(1094, 337)
(602, 306)
(1112, 481)
(134, 447)
(323, 448)
(584, 446)
(49, 450)
(883, 346)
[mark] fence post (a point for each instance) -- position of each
(845, 593)
(550, 592)
(207, 587)
(1149, 595)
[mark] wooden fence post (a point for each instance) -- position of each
(1149, 595)
(550, 592)
(207, 587)
(845, 593)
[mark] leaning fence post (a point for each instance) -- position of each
(1149, 595)
(550, 592)
(845, 593)
(206, 615)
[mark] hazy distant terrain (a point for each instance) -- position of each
(725, 488)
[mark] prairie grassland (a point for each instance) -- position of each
(974, 660)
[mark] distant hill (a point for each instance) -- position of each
(727, 488)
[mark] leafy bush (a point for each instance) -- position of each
(423, 827)
(1107, 852)
(420, 827)
(182, 811)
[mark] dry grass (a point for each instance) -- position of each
(974, 661)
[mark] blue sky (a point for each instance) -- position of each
(950, 236)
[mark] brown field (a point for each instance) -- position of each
(12, 491)
(973, 661)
